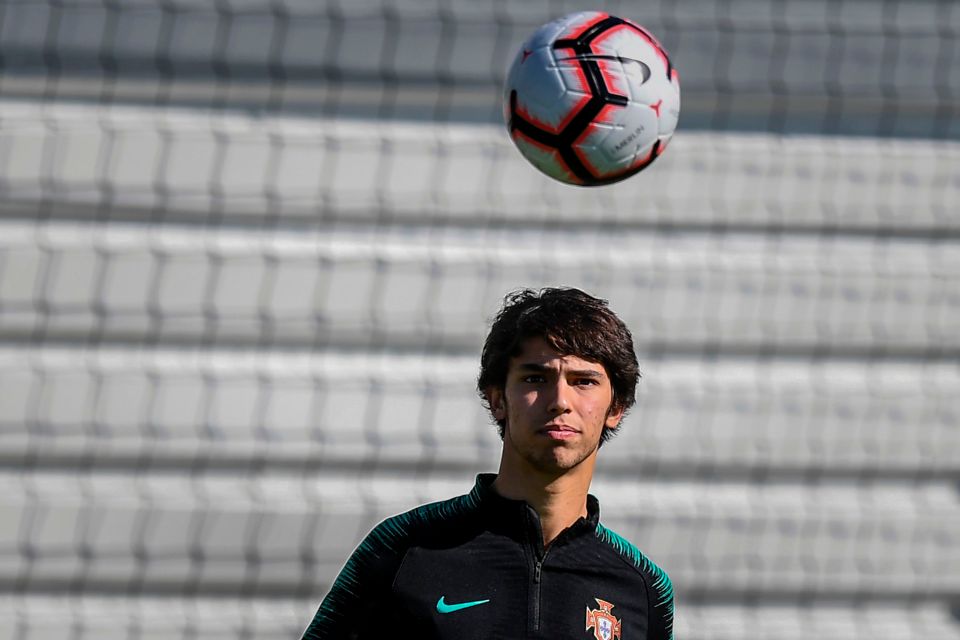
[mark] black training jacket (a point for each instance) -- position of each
(475, 567)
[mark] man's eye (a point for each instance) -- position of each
(586, 382)
(532, 379)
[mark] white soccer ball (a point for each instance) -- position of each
(591, 99)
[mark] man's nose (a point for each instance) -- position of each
(559, 398)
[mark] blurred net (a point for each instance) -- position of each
(249, 251)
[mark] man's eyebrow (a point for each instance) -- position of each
(540, 368)
(586, 373)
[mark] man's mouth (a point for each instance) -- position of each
(559, 431)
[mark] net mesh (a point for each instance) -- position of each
(249, 251)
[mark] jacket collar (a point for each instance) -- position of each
(520, 520)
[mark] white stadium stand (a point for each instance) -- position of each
(427, 287)
(185, 163)
(693, 413)
(156, 618)
(249, 252)
(208, 530)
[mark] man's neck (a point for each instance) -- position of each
(559, 501)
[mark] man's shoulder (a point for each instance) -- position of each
(659, 587)
(427, 520)
(658, 578)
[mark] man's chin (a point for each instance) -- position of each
(558, 460)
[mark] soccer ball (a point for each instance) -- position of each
(591, 99)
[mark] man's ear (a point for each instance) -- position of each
(613, 417)
(497, 405)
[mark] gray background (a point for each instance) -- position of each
(249, 251)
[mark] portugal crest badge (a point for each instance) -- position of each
(605, 625)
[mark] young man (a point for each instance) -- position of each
(523, 555)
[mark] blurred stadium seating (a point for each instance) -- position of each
(249, 251)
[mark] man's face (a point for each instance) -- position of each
(555, 407)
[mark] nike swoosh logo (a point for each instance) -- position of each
(443, 607)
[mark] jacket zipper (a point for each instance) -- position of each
(536, 594)
(537, 570)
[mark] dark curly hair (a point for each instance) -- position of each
(572, 322)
